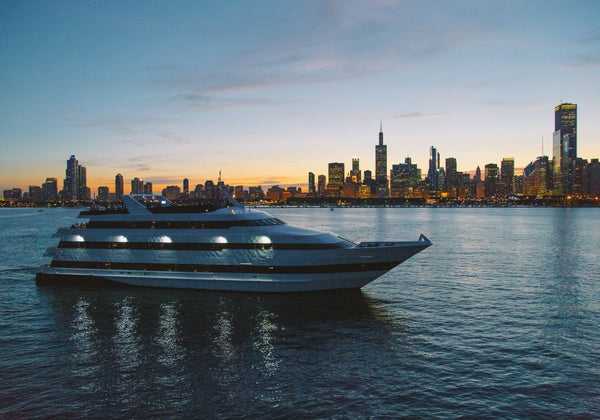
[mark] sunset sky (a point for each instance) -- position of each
(268, 91)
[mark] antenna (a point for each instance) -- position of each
(219, 176)
(542, 145)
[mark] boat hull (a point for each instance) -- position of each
(239, 282)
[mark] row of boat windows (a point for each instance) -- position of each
(242, 268)
(190, 246)
(179, 224)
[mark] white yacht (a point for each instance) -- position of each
(231, 248)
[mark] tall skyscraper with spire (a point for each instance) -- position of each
(381, 178)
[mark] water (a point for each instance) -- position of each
(500, 317)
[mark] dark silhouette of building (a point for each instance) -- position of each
(491, 179)
(186, 187)
(381, 179)
(137, 186)
(451, 179)
(433, 175)
(71, 181)
(321, 185)
(311, 183)
(118, 187)
(50, 190)
(507, 175)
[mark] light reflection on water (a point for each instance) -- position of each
(500, 316)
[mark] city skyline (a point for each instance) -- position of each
(566, 174)
(266, 92)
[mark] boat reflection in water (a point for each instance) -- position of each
(198, 350)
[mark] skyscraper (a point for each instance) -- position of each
(186, 186)
(507, 175)
(564, 147)
(84, 191)
(71, 182)
(381, 179)
(311, 183)
(137, 186)
(321, 184)
(148, 188)
(118, 187)
(433, 175)
(451, 180)
(355, 173)
(50, 189)
(491, 179)
(336, 175)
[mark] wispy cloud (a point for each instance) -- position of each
(333, 41)
(420, 115)
(501, 103)
(200, 102)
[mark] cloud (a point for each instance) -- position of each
(328, 42)
(420, 115)
(206, 103)
(501, 103)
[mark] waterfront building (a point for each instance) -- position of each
(137, 186)
(355, 173)
(451, 179)
(118, 187)
(14, 194)
(186, 187)
(35, 194)
(537, 177)
(336, 175)
(564, 142)
(311, 183)
(518, 184)
(199, 191)
(579, 181)
(350, 189)
(404, 177)
(84, 192)
(433, 175)
(239, 193)
(593, 178)
(171, 192)
(381, 179)
(491, 179)
(210, 190)
(50, 190)
(255, 193)
(477, 174)
(102, 194)
(71, 181)
(364, 191)
(507, 174)
(148, 188)
(321, 185)
(275, 194)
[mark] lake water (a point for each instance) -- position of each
(500, 317)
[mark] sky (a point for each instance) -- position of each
(266, 91)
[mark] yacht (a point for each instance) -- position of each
(231, 248)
